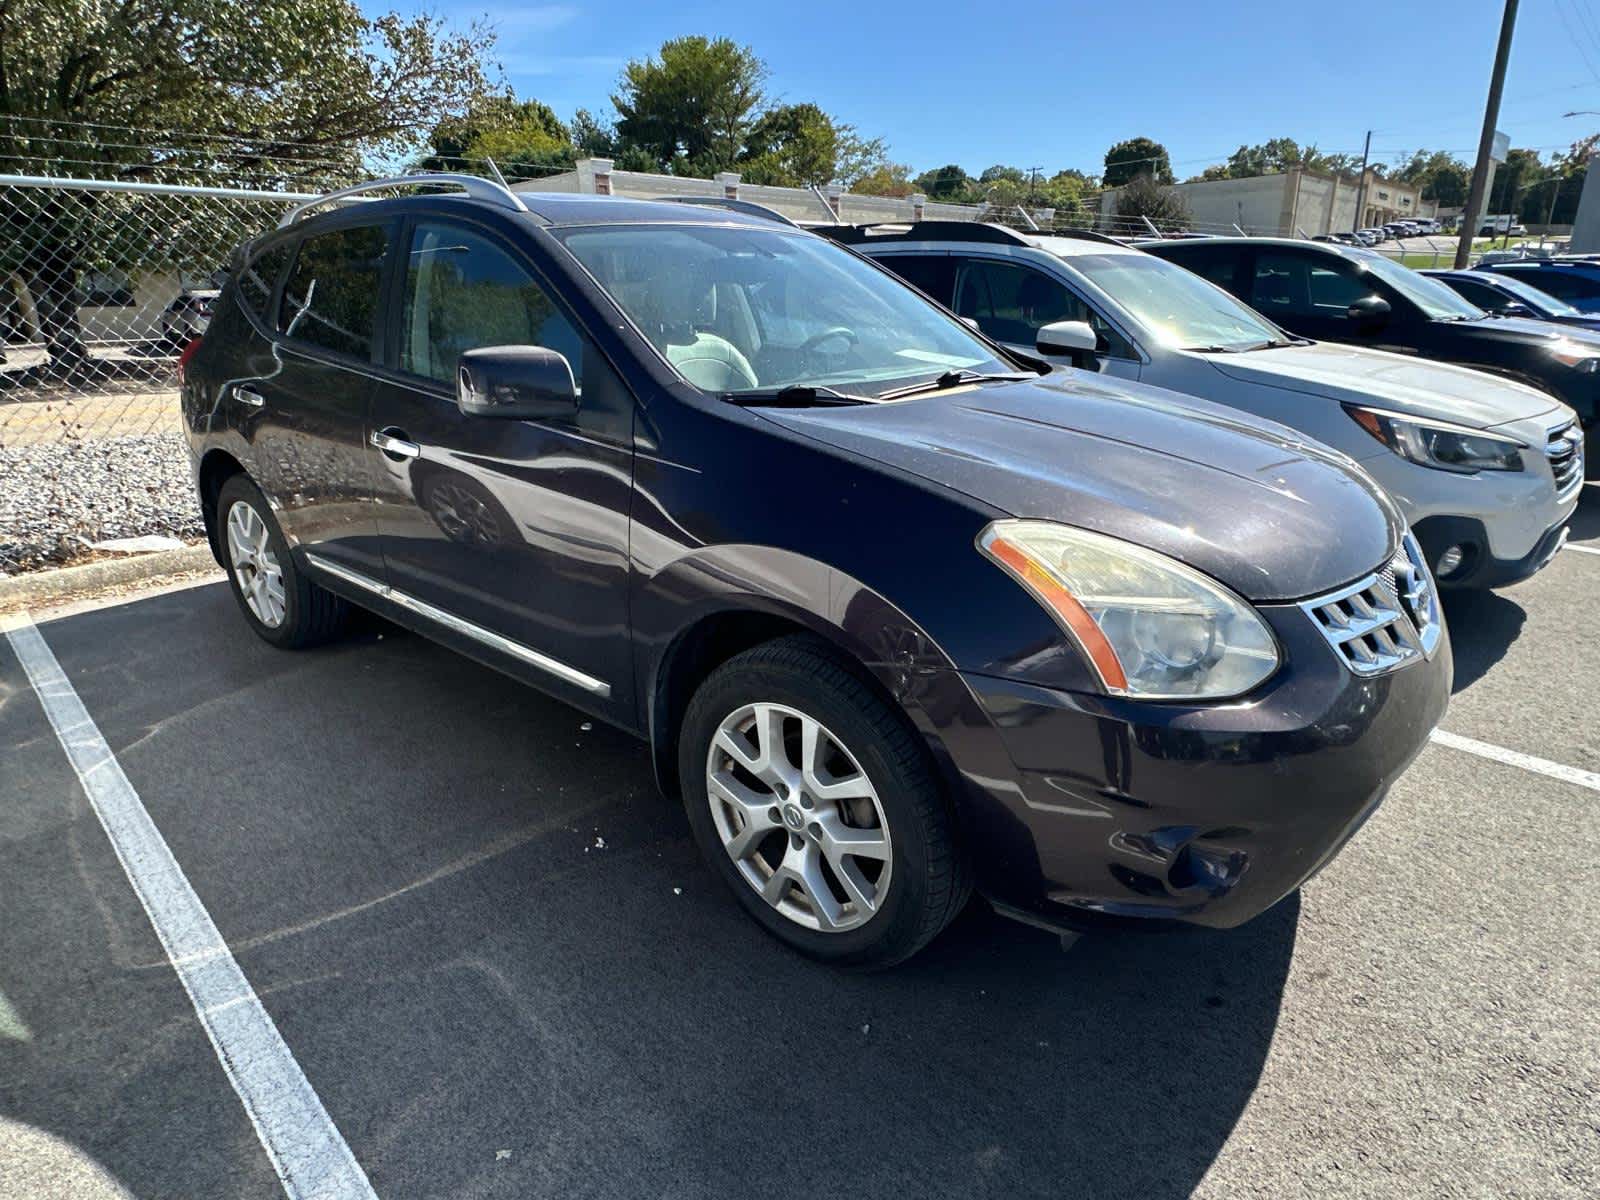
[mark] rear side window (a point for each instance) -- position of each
(1557, 283)
(260, 276)
(933, 273)
(331, 297)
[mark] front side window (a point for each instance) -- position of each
(740, 309)
(463, 291)
(932, 273)
(331, 297)
(1299, 285)
(1437, 302)
(1531, 292)
(1176, 306)
(1011, 303)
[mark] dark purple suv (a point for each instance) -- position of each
(899, 613)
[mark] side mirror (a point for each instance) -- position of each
(1071, 339)
(520, 383)
(1369, 311)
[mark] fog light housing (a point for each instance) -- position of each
(1450, 561)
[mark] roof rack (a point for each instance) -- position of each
(924, 231)
(475, 186)
(1085, 235)
(749, 207)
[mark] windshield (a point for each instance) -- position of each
(1178, 307)
(1438, 301)
(743, 310)
(1541, 301)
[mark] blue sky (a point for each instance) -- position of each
(941, 82)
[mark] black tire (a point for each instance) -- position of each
(929, 880)
(312, 614)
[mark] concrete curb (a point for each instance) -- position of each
(62, 585)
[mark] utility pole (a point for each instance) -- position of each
(1550, 216)
(1491, 117)
(1361, 187)
(1033, 182)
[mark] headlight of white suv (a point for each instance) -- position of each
(1440, 444)
(1152, 627)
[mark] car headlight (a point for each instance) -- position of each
(1440, 444)
(1576, 355)
(1152, 627)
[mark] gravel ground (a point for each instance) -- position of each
(57, 496)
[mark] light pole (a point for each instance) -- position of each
(1491, 114)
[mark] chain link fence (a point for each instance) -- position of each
(101, 286)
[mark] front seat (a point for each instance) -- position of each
(672, 308)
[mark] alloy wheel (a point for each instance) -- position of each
(798, 817)
(256, 570)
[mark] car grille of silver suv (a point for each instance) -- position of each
(1565, 451)
(1386, 620)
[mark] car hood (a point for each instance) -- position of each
(1398, 382)
(1257, 506)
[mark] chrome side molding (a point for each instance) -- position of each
(448, 620)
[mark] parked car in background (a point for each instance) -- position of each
(1486, 472)
(894, 611)
(1577, 281)
(188, 315)
(1359, 296)
(1505, 295)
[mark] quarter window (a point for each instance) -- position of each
(1011, 303)
(331, 298)
(260, 276)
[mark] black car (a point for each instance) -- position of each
(1575, 280)
(1504, 295)
(1337, 294)
(898, 613)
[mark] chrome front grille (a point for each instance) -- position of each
(1386, 620)
(1565, 452)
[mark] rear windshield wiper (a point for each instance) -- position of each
(950, 379)
(796, 395)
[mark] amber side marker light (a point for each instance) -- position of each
(1038, 579)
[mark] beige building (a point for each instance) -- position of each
(1291, 203)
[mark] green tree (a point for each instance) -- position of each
(885, 179)
(1438, 175)
(1134, 157)
(948, 184)
(1144, 197)
(523, 137)
(793, 145)
(691, 107)
(592, 138)
(251, 92)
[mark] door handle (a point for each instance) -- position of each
(249, 396)
(393, 443)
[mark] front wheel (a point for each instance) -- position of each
(279, 602)
(817, 804)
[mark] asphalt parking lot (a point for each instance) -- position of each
(491, 948)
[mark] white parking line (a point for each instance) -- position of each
(309, 1154)
(1581, 549)
(1515, 758)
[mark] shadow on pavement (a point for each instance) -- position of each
(1482, 627)
(497, 956)
(1585, 523)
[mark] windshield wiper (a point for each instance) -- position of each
(796, 395)
(950, 379)
(1219, 349)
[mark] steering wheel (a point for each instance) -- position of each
(838, 331)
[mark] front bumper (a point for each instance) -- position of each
(1480, 568)
(1085, 811)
